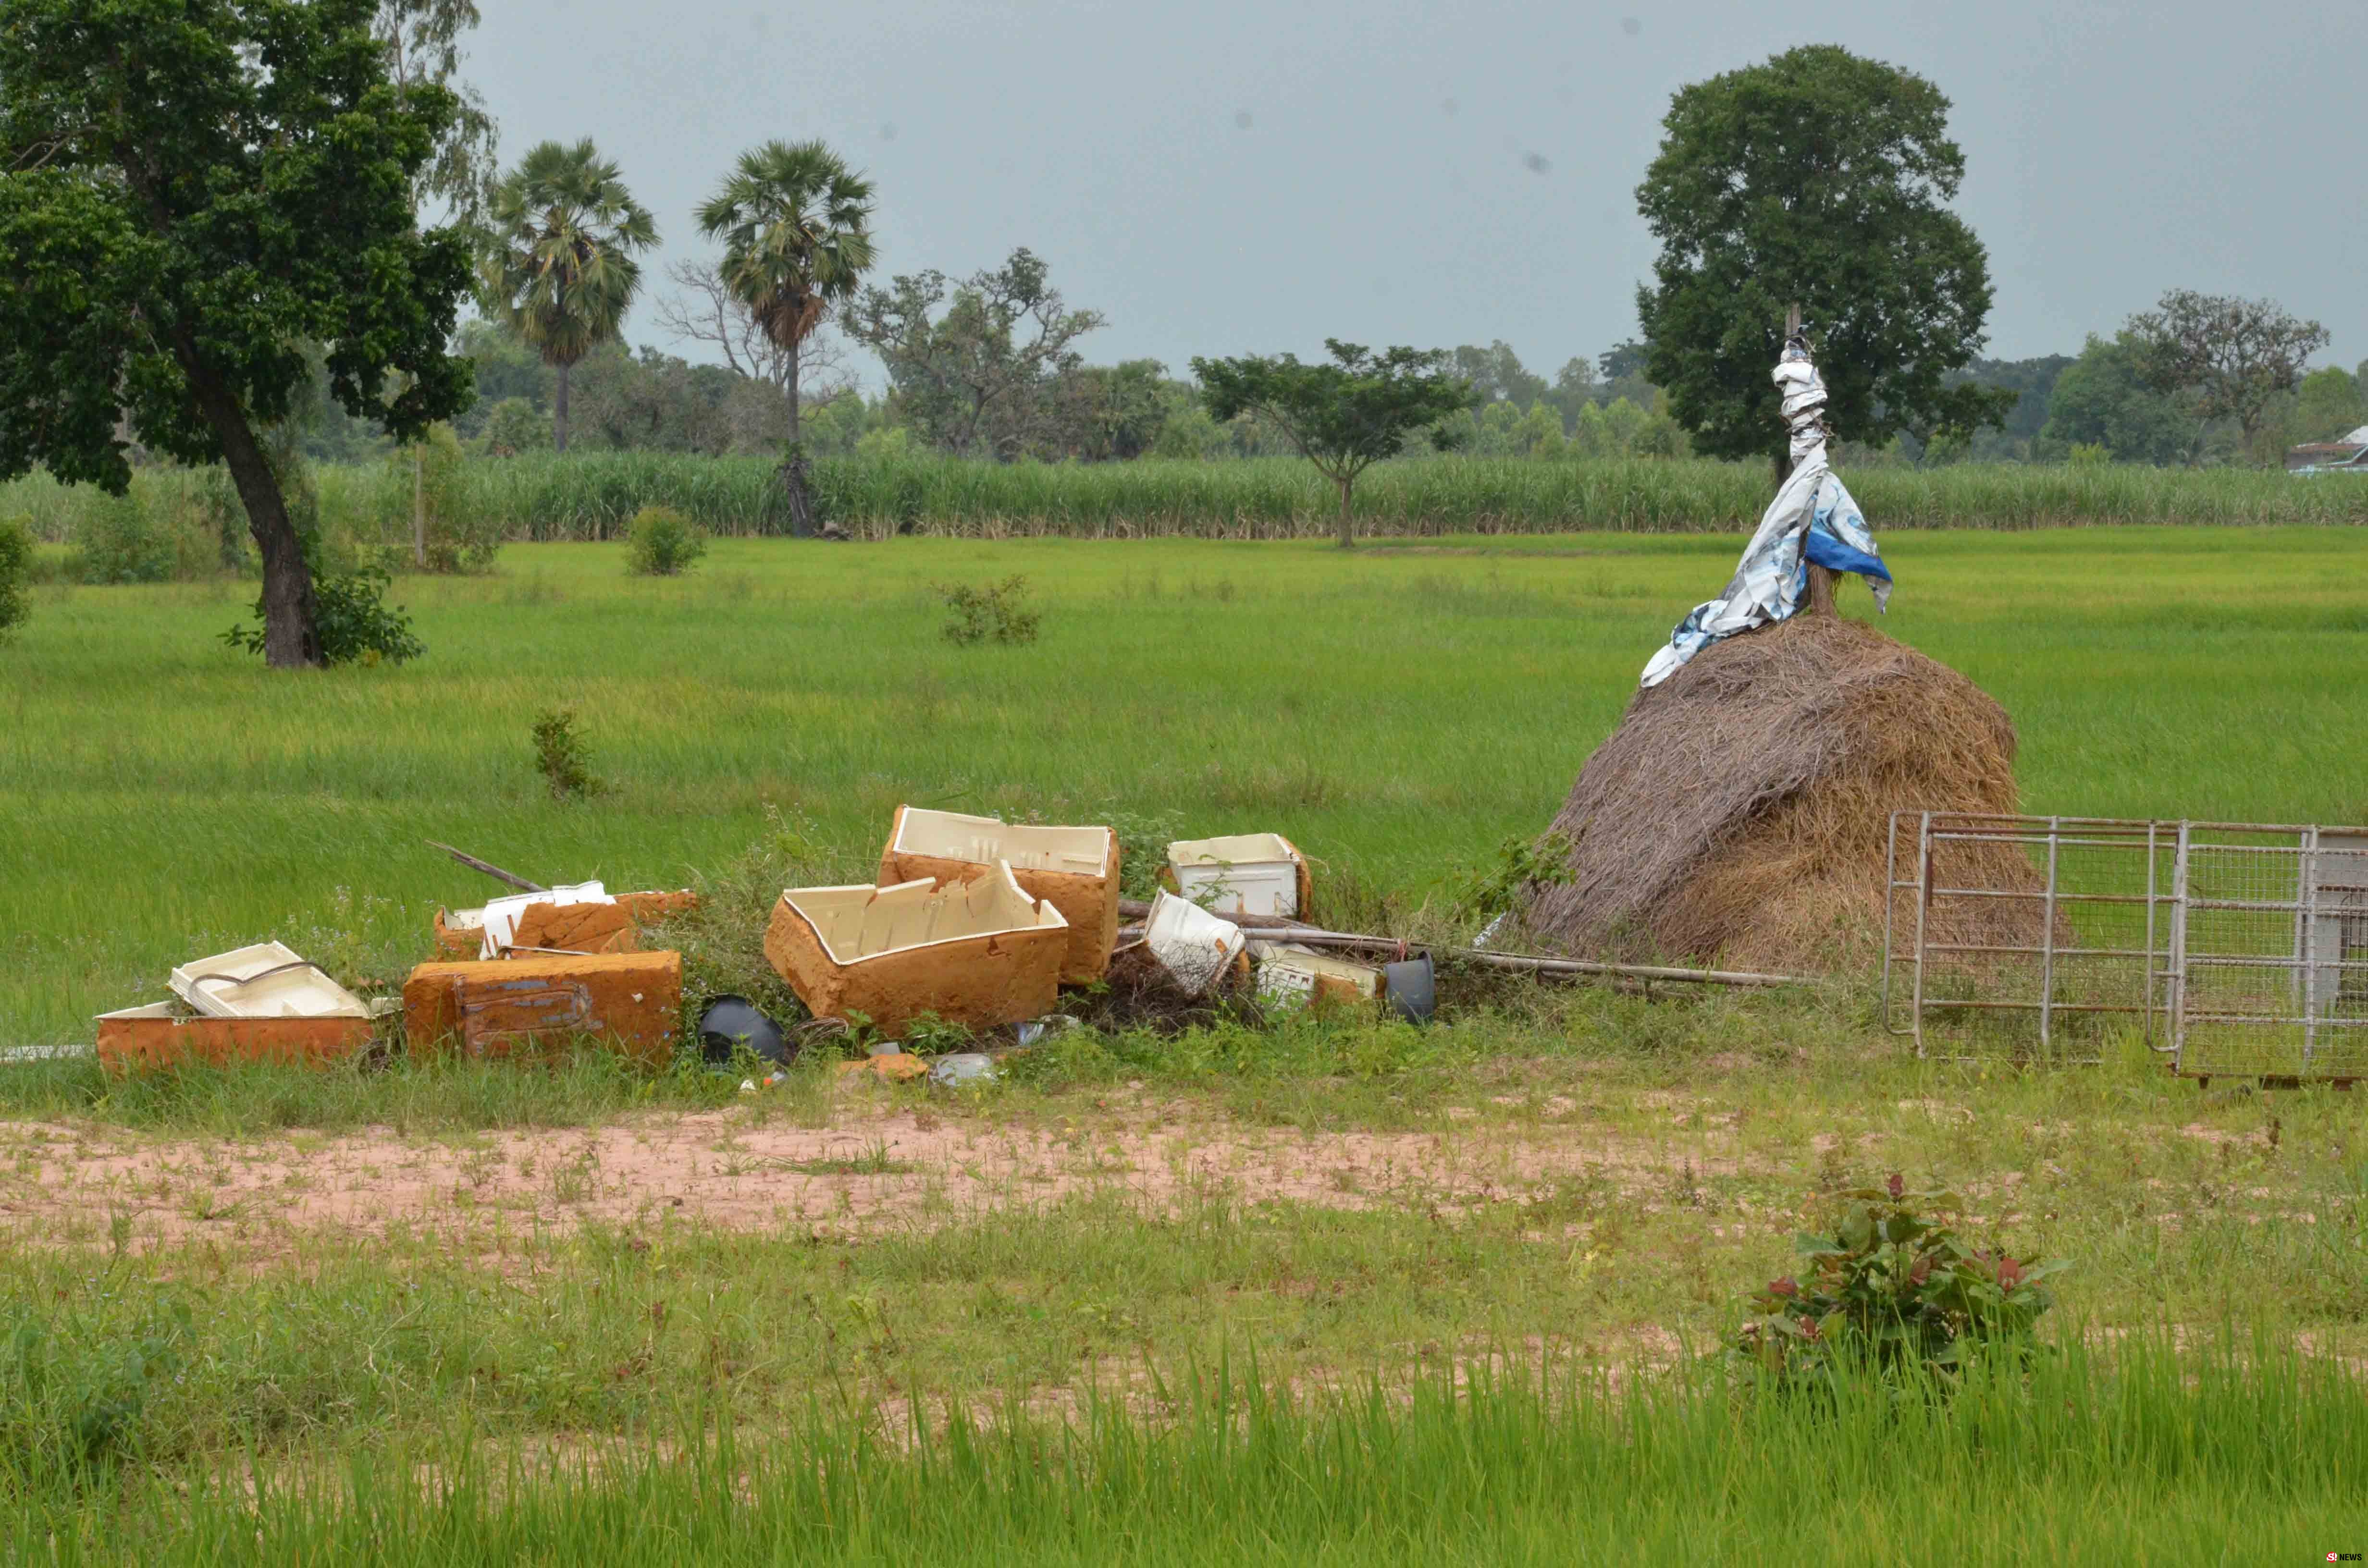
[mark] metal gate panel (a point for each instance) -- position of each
(2238, 949)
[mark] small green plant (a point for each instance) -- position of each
(988, 612)
(356, 626)
(1521, 864)
(664, 543)
(1892, 1288)
(16, 571)
(563, 756)
(931, 1036)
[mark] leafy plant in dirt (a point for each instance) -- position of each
(988, 612)
(16, 571)
(562, 756)
(1894, 1288)
(352, 621)
(664, 543)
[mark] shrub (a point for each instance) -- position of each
(355, 623)
(562, 756)
(428, 506)
(117, 542)
(1895, 1291)
(988, 612)
(16, 571)
(665, 542)
(515, 426)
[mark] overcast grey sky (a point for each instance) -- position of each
(1227, 177)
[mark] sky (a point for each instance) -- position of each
(1230, 177)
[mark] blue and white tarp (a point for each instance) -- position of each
(1812, 520)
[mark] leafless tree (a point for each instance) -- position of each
(703, 311)
(2234, 356)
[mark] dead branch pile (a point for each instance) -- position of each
(1740, 812)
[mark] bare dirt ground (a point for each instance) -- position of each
(875, 1166)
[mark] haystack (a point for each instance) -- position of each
(1740, 812)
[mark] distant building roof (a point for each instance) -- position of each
(2357, 439)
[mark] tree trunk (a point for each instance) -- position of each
(793, 463)
(792, 380)
(793, 480)
(559, 410)
(290, 639)
(1347, 528)
(418, 508)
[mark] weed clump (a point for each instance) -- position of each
(1895, 1290)
(988, 612)
(563, 756)
(664, 543)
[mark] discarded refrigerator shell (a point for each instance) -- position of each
(573, 927)
(977, 953)
(155, 1036)
(537, 1004)
(1074, 869)
(1246, 873)
(265, 980)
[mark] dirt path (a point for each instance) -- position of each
(873, 1168)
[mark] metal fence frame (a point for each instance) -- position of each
(2181, 958)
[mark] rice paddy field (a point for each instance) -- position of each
(1333, 1290)
(1399, 710)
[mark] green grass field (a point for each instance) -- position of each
(1397, 711)
(1328, 1291)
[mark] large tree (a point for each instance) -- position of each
(2100, 400)
(197, 194)
(1347, 416)
(1817, 178)
(993, 375)
(2233, 356)
(559, 259)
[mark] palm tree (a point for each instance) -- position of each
(795, 223)
(560, 259)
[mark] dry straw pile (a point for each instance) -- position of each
(1740, 812)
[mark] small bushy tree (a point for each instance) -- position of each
(1347, 416)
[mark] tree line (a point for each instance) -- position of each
(210, 211)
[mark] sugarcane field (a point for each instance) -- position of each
(683, 890)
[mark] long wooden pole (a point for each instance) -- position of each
(489, 868)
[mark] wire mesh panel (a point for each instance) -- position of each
(2033, 937)
(2270, 952)
(2241, 948)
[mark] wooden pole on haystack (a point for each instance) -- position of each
(1821, 580)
